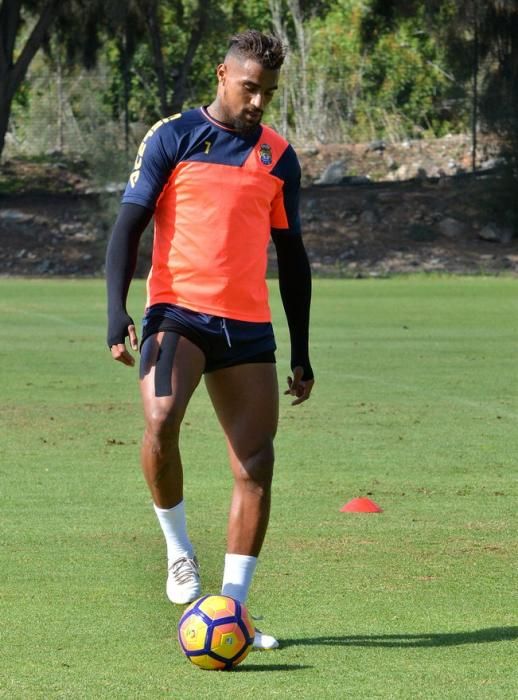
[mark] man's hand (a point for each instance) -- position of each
(301, 388)
(120, 352)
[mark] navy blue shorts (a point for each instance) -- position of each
(224, 341)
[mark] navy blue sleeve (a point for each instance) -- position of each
(288, 170)
(156, 158)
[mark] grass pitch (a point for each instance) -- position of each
(415, 406)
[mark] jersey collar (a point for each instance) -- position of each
(225, 127)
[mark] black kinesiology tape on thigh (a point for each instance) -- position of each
(164, 365)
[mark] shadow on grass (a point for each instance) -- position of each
(439, 639)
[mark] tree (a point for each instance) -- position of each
(480, 38)
(74, 24)
(181, 38)
(195, 25)
(125, 23)
(303, 96)
(499, 101)
(14, 69)
(81, 28)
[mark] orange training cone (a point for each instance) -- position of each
(361, 505)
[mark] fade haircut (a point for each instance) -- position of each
(266, 49)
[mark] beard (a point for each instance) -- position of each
(246, 125)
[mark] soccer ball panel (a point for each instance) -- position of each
(193, 632)
(227, 640)
(208, 663)
(242, 657)
(218, 607)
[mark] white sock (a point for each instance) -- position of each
(174, 526)
(237, 576)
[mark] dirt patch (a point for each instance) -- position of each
(396, 209)
(401, 227)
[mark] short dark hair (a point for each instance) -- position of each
(267, 49)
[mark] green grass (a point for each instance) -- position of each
(415, 405)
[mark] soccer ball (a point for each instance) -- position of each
(216, 632)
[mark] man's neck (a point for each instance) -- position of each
(214, 110)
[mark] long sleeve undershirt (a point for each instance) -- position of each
(121, 261)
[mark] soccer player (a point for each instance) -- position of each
(219, 185)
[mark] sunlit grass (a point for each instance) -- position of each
(415, 406)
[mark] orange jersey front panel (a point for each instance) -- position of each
(213, 221)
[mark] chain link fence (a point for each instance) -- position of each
(73, 116)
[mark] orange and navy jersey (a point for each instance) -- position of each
(216, 194)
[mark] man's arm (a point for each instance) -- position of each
(121, 260)
(295, 288)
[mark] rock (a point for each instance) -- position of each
(369, 217)
(491, 163)
(15, 216)
(420, 171)
(377, 145)
(308, 151)
(410, 172)
(356, 180)
(421, 233)
(108, 188)
(390, 163)
(401, 173)
(84, 237)
(333, 174)
(44, 267)
(428, 168)
(451, 228)
(311, 210)
(67, 228)
(497, 234)
(452, 165)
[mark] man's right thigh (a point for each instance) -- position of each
(171, 367)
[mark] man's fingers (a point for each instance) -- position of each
(293, 382)
(133, 339)
(127, 359)
(298, 387)
(303, 393)
(121, 354)
(289, 381)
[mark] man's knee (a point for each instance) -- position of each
(256, 468)
(163, 423)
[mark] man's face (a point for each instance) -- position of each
(245, 89)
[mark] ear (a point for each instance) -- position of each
(221, 72)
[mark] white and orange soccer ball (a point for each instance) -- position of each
(216, 632)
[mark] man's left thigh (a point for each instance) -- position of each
(246, 400)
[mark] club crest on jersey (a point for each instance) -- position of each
(265, 154)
